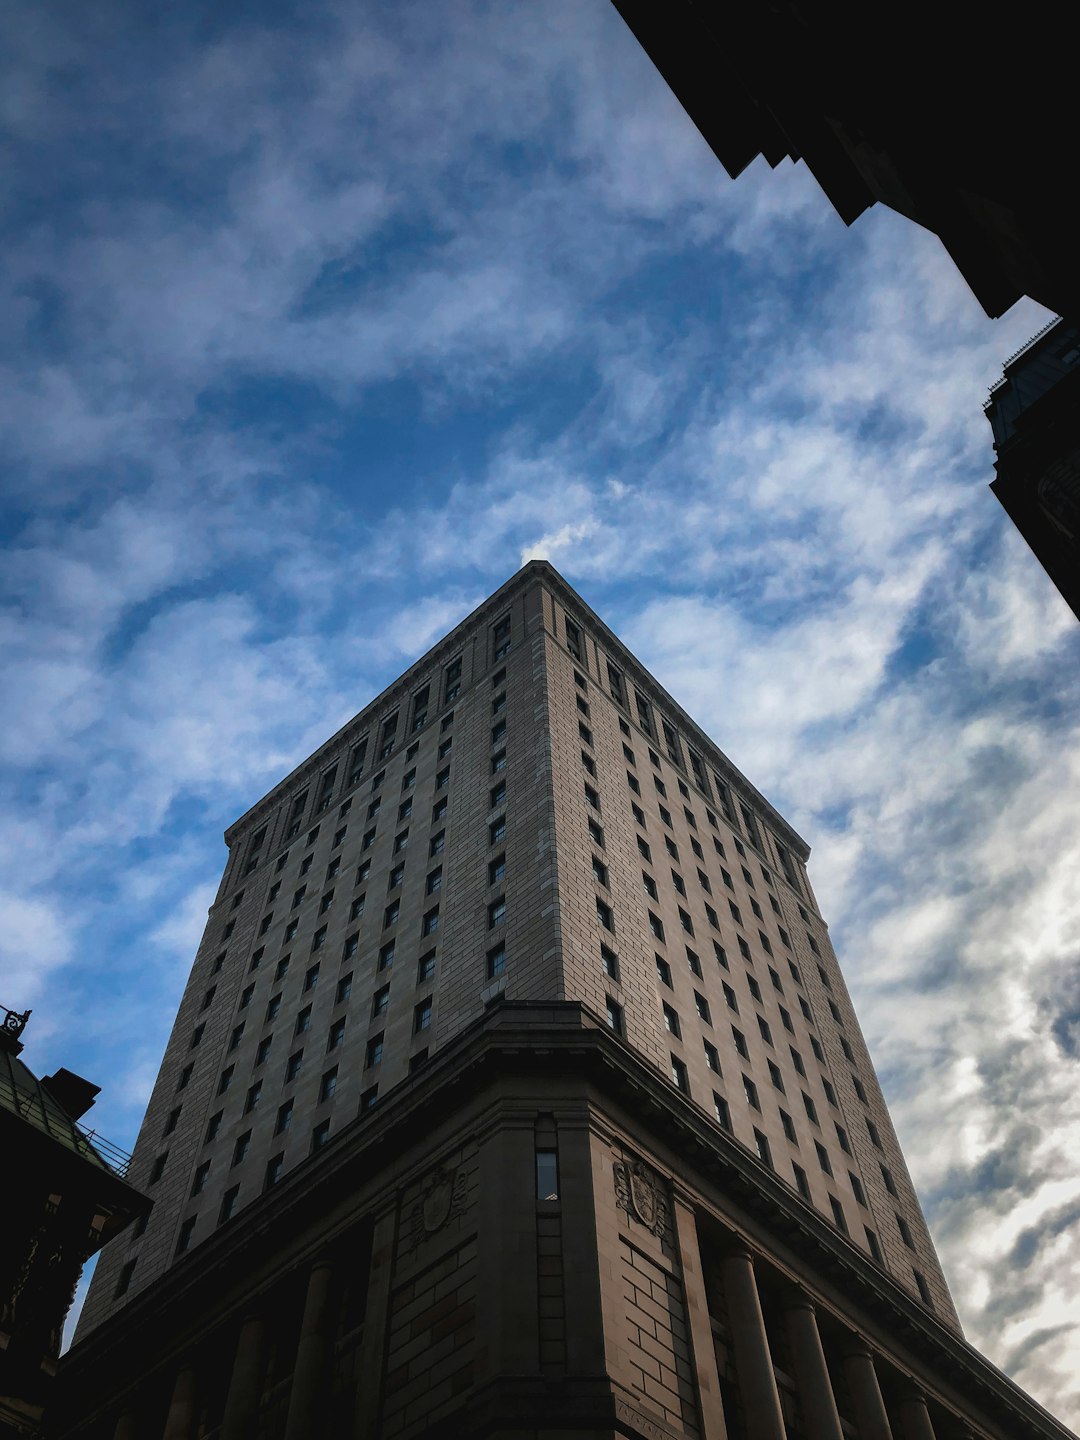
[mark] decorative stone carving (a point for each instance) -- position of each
(443, 1197)
(641, 1193)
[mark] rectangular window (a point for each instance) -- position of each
(292, 1067)
(802, 1184)
(344, 989)
(766, 1032)
(609, 962)
(776, 1077)
(573, 639)
(722, 1112)
(496, 961)
(263, 1051)
(386, 955)
(430, 922)
(872, 1244)
(701, 1005)
(905, 1233)
(368, 1098)
(857, 1190)
(202, 1174)
(789, 1127)
(823, 1157)
(425, 967)
(253, 1097)
(750, 1090)
(712, 1057)
(422, 1015)
(336, 1034)
(497, 796)
(811, 1109)
(616, 688)
(614, 1016)
(685, 921)
(680, 1075)
(496, 912)
(671, 1021)
(762, 1146)
(374, 1052)
(303, 1020)
(656, 925)
(328, 1084)
(663, 970)
(839, 1219)
(721, 955)
(604, 915)
(694, 963)
(226, 1079)
(320, 1135)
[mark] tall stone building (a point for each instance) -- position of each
(516, 1091)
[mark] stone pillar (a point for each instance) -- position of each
(820, 1417)
(312, 1356)
(180, 1421)
(125, 1426)
(753, 1362)
(507, 1299)
(915, 1417)
(871, 1417)
(371, 1362)
(246, 1381)
(702, 1349)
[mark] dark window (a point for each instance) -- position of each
(680, 1075)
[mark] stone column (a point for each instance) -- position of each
(702, 1349)
(753, 1362)
(871, 1417)
(180, 1421)
(915, 1417)
(371, 1361)
(125, 1426)
(245, 1383)
(312, 1355)
(507, 1300)
(820, 1417)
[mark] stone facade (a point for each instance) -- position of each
(669, 1210)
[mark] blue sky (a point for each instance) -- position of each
(320, 321)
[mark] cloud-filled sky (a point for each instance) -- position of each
(319, 321)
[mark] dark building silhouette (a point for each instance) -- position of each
(64, 1197)
(942, 116)
(1034, 411)
(516, 1092)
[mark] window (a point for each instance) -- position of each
(872, 1244)
(442, 779)
(646, 853)
(368, 1098)
(701, 1005)
(374, 808)
(452, 681)
(600, 871)
(303, 1021)
(740, 1043)
(573, 639)
(797, 1061)
(430, 922)
(727, 878)
(710, 915)
(401, 841)
(639, 815)
(823, 1157)
(349, 949)
(363, 870)
(253, 1097)
(776, 1077)
(391, 913)
(661, 788)
(158, 1167)
(386, 955)
(679, 1074)
(290, 932)
(592, 797)
(730, 997)
(264, 1050)
(857, 1086)
(582, 705)
(586, 758)
(171, 1122)
(284, 1118)
(422, 1015)
(857, 1190)
(208, 998)
(905, 1232)
(750, 1091)
(696, 848)
(498, 705)
(712, 1057)
(498, 796)
(183, 1240)
(766, 1032)
(202, 1174)
(789, 1127)
(292, 1067)
(425, 967)
(374, 1052)
(810, 1108)
(694, 963)
(240, 1149)
(547, 1175)
(275, 1167)
(614, 1016)
(875, 1138)
(609, 962)
(226, 1079)
(632, 781)
(404, 810)
(245, 998)
(596, 833)
(311, 979)
(318, 940)
(338, 838)
(616, 688)
(437, 843)
(256, 957)
(604, 915)
(721, 955)
(498, 732)
(496, 961)
(665, 816)
(328, 1085)
(320, 1135)
(839, 1219)
(273, 1006)
(196, 1035)
(685, 921)
(497, 831)
(671, 1021)
(656, 925)
(368, 840)
(663, 971)
(677, 881)
(497, 912)
(650, 886)
(446, 747)
(762, 1145)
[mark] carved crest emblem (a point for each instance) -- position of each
(444, 1196)
(640, 1192)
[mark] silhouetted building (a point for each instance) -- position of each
(1034, 411)
(516, 1090)
(64, 1196)
(946, 119)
